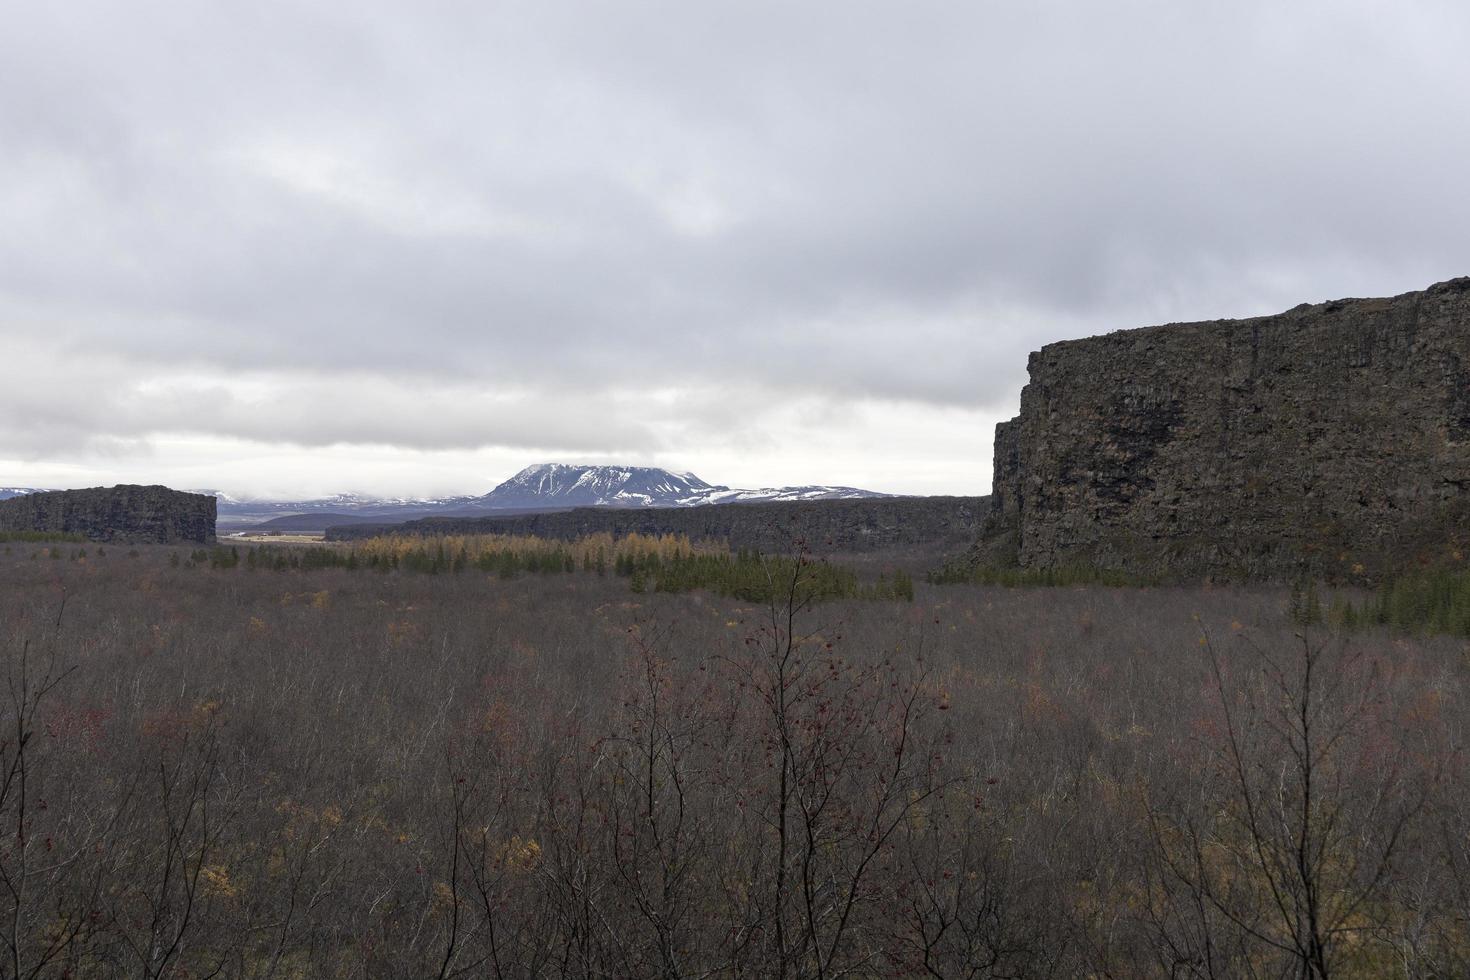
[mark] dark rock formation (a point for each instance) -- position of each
(1331, 439)
(826, 525)
(131, 514)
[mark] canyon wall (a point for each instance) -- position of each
(1332, 439)
(125, 513)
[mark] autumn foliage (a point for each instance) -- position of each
(237, 771)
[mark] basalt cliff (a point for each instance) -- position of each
(1332, 439)
(131, 514)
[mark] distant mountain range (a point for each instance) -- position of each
(546, 486)
(561, 485)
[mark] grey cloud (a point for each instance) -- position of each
(102, 406)
(855, 200)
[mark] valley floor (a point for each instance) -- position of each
(243, 772)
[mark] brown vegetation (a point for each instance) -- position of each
(252, 773)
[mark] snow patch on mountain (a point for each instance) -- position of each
(561, 484)
(544, 486)
(566, 485)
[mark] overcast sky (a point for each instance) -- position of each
(408, 248)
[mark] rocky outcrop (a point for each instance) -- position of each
(130, 514)
(825, 525)
(1333, 439)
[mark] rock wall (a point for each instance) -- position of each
(1332, 439)
(826, 525)
(130, 514)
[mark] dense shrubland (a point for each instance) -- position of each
(963, 572)
(1428, 601)
(320, 772)
(665, 563)
(35, 537)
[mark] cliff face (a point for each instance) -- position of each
(826, 525)
(131, 514)
(1332, 439)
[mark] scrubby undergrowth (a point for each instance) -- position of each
(324, 772)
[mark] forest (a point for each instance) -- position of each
(640, 757)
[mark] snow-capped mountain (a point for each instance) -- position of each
(724, 495)
(546, 486)
(562, 485)
(355, 503)
(236, 511)
(7, 492)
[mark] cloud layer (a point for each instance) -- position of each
(674, 232)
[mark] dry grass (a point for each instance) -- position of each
(357, 725)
